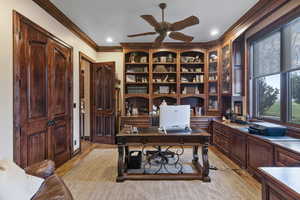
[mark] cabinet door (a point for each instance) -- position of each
(238, 148)
(260, 154)
(222, 141)
(284, 158)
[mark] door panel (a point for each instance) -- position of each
(37, 147)
(60, 107)
(34, 96)
(103, 102)
(37, 80)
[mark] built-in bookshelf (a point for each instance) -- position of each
(213, 81)
(176, 76)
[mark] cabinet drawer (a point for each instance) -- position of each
(221, 142)
(286, 158)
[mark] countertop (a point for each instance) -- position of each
(287, 142)
(285, 176)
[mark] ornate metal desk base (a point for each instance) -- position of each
(160, 157)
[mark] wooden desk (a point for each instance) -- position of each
(151, 137)
(280, 183)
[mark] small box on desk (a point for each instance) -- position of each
(267, 129)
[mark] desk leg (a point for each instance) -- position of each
(195, 154)
(205, 171)
(126, 158)
(120, 177)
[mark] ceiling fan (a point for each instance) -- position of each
(164, 28)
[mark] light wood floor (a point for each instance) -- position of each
(91, 176)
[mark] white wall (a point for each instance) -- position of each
(32, 11)
(117, 57)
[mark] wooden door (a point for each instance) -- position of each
(60, 87)
(33, 94)
(42, 97)
(103, 102)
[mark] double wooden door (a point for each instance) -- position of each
(43, 84)
(103, 102)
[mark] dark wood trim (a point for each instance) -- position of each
(50, 8)
(181, 45)
(109, 49)
(17, 18)
(276, 24)
(261, 9)
(82, 56)
(86, 57)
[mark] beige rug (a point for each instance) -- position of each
(94, 179)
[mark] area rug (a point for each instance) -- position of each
(94, 179)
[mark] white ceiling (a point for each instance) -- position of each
(118, 18)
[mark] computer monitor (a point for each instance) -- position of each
(174, 117)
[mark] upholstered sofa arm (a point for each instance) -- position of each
(42, 169)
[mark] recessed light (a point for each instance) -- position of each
(168, 33)
(214, 32)
(109, 40)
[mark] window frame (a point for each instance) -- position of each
(285, 94)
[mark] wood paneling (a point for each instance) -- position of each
(260, 154)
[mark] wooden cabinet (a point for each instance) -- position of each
(222, 141)
(284, 158)
(238, 146)
(280, 183)
(260, 154)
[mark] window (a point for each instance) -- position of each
(268, 93)
(266, 73)
(294, 99)
(275, 61)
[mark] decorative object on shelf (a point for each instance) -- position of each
(160, 68)
(135, 111)
(170, 58)
(184, 91)
(156, 59)
(166, 79)
(137, 90)
(164, 89)
(130, 79)
(183, 69)
(165, 29)
(144, 59)
(199, 111)
(212, 89)
(213, 58)
(163, 59)
(132, 57)
(197, 90)
(163, 103)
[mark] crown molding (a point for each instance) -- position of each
(109, 49)
(50, 8)
(260, 10)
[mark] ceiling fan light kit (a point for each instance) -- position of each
(165, 28)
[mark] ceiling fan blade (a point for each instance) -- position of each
(180, 36)
(190, 21)
(159, 40)
(142, 34)
(151, 20)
